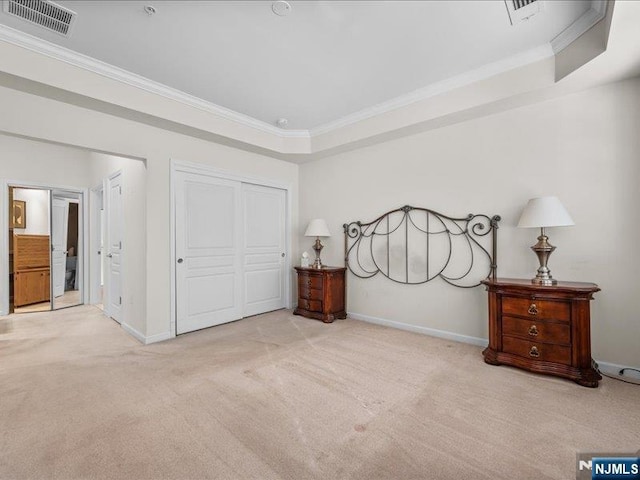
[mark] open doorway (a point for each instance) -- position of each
(45, 248)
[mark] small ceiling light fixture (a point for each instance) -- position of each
(281, 8)
(282, 122)
(150, 9)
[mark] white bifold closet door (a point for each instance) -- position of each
(59, 225)
(229, 250)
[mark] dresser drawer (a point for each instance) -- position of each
(310, 305)
(538, 331)
(536, 350)
(310, 293)
(526, 307)
(309, 281)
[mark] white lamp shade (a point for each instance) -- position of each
(317, 228)
(544, 212)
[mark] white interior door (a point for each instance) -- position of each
(264, 248)
(59, 226)
(208, 251)
(114, 250)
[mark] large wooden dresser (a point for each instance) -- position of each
(321, 293)
(31, 274)
(543, 329)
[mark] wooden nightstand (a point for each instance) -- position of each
(321, 293)
(543, 329)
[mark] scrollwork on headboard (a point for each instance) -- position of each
(413, 245)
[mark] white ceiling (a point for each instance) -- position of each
(323, 62)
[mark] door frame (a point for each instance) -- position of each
(206, 170)
(4, 238)
(96, 201)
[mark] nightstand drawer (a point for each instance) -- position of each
(311, 305)
(536, 350)
(538, 331)
(526, 307)
(309, 281)
(310, 294)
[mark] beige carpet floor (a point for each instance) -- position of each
(283, 397)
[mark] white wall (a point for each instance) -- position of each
(583, 148)
(37, 207)
(23, 160)
(38, 117)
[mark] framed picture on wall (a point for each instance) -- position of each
(19, 214)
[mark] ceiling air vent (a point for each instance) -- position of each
(42, 12)
(520, 10)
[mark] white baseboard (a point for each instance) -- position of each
(133, 332)
(456, 337)
(613, 369)
(606, 367)
(159, 337)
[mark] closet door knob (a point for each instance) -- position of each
(180, 260)
(109, 255)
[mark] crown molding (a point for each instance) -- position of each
(570, 34)
(438, 88)
(35, 44)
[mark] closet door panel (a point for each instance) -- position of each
(208, 252)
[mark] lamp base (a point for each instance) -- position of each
(543, 249)
(318, 248)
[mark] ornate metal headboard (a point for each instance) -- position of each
(413, 245)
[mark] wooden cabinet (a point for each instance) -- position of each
(543, 329)
(321, 293)
(31, 277)
(32, 286)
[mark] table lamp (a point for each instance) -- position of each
(317, 228)
(541, 213)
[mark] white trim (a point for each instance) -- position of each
(85, 231)
(577, 28)
(606, 367)
(198, 168)
(432, 332)
(613, 369)
(95, 259)
(35, 44)
(134, 333)
(467, 78)
(172, 250)
(4, 248)
(570, 34)
(158, 337)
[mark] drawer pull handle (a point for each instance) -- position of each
(533, 331)
(534, 352)
(533, 310)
